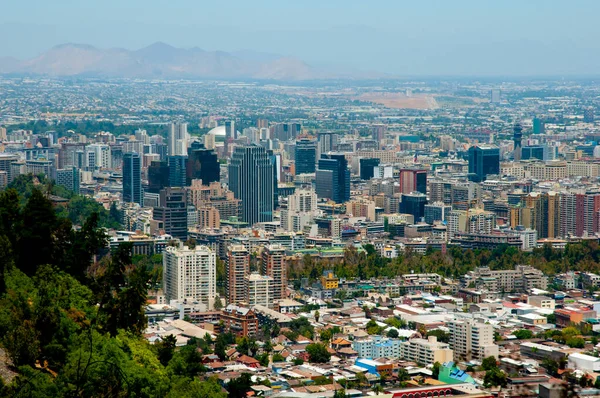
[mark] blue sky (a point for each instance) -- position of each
(419, 37)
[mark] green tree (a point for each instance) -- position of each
(392, 333)
(523, 334)
(318, 353)
(489, 363)
(238, 388)
(495, 378)
(278, 358)
(436, 370)
(576, 342)
(166, 349)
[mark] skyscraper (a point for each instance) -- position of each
(333, 178)
(413, 203)
(539, 127)
(259, 290)
(132, 178)
(413, 180)
(484, 160)
(237, 267)
(202, 164)
(68, 178)
(517, 138)
(305, 155)
(172, 212)
(251, 180)
(158, 176)
(367, 167)
(274, 265)
(177, 171)
(178, 137)
(588, 115)
(190, 273)
(230, 135)
(326, 142)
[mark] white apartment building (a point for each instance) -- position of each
(259, 290)
(190, 274)
(426, 351)
(471, 339)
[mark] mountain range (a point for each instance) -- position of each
(162, 61)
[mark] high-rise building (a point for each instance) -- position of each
(132, 178)
(172, 213)
(161, 149)
(436, 212)
(367, 167)
(517, 138)
(177, 140)
(5, 161)
(230, 135)
(305, 155)
(333, 178)
(190, 273)
(262, 123)
(539, 127)
(158, 176)
(413, 180)
(532, 152)
(237, 267)
(378, 131)
(259, 290)
(471, 339)
(413, 203)
(177, 171)
(274, 265)
(326, 142)
(202, 164)
(68, 178)
(484, 160)
(251, 179)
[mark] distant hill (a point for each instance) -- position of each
(161, 60)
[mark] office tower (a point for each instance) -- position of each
(171, 212)
(378, 132)
(178, 138)
(45, 167)
(413, 203)
(68, 178)
(539, 126)
(132, 178)
(532, 152)
(436, 212)
(484, 160)
(251, 180)
(5, 164)
(142, 135)
(190, 274)
(588, 115)
(471, 339)
(158, 176)
(413, 180)
(101, 156)
(259, 290)
(230, 135)
(202, 164)
(66, 154)
(262, 123)
(495, 96)
(333, 178)
(274, 265)
(517, 138)
(237, 267)
(177, 171)
(161, 149)
(305, 155)
(367, 167)
(326, 142)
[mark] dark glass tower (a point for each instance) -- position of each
(306, 153)
(202, 164)
(413, 203)
(132, 178)
(158, 176)
(483, 161)
(251, 180)
(367, 168)
(517, 138)
(177, 165)
(333, 178)
(172, 212)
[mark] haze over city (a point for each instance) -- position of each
(403, 38)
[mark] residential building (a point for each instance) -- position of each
(259, 290)
(237, 266)
(426, 351)
(471, 339)
(274, 265)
